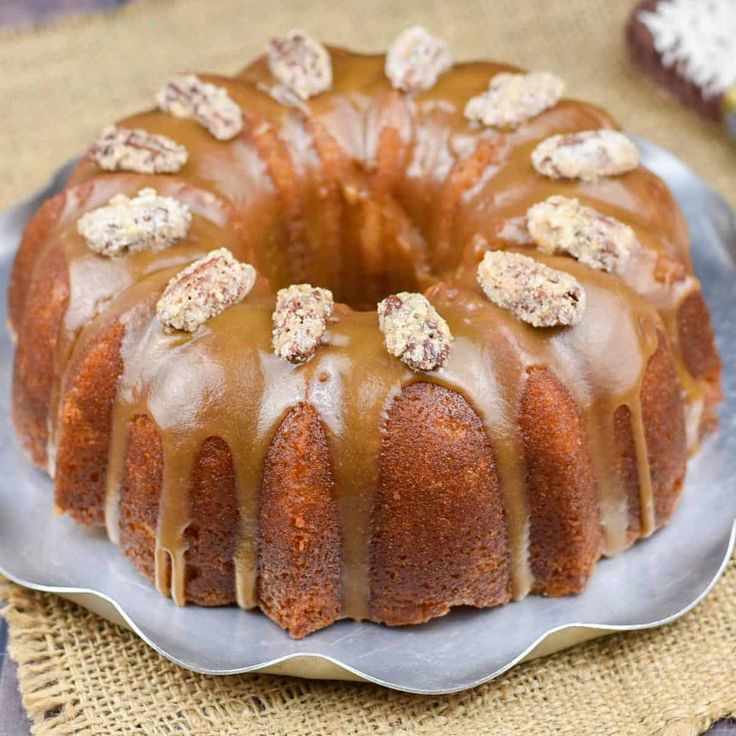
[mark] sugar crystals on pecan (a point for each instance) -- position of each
(511, 99)
(134, 149)
(300, 321)
(562, 224)
(125, 225)
(300, 63)
(414, 331)
(532, 291)
(585, 155)
(203, 290)
(187, 96)
(416, 59)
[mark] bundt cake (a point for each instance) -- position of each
(202, 367)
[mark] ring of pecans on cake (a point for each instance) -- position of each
(363, 336)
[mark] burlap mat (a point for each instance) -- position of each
(81, 675)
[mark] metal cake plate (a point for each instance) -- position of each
(652, 584)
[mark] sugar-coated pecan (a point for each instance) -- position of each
(414, 331)
(134, 149)
(187, 96)
(203, 290)
(416, 59)
(300, 321)
(511, 99)
(300, 63)
(562, 224)
(125, 225)
(532, 291)
(585, 155)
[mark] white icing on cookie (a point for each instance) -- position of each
(698, 37)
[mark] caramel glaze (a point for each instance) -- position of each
(510, 470)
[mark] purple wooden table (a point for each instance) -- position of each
(16, 14)
(13, 721)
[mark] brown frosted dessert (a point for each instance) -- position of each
(366, 337)
(689, 49)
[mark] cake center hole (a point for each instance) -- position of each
(365, 268)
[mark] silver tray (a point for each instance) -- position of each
(657, 581)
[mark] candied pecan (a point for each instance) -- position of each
(585, 155)
(300, 321)
(300, 63)
(134, 149)
(563, 224)
(512, 99)
(127, 225)
(203, 290)
(533, 292)
(416, 59)
(187, 96)
(414, 331)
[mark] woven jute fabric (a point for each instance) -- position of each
(82, 675)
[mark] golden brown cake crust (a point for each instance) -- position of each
(85, 419)
(350, 485)
(664, 426)
(140, 493)
(35, 372)
(212, 535)
(439, 530)
(564, 531)
(298, 531)
(626, 467)
(34, 238)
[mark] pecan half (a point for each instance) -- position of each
(300, 321)
(562, 224)
(512, 99)
(124, 225)
(134, 149)
(414, 331)
(416, 59)
(585, 155)
(203, 290)
(300, 63)
(187, 96)
(533, 292)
